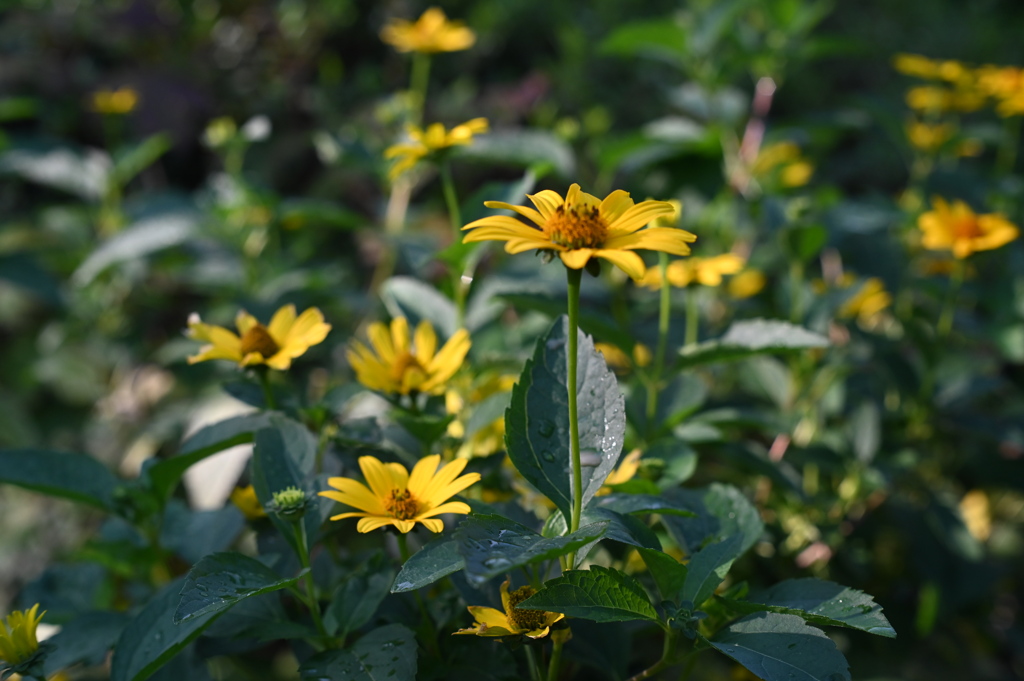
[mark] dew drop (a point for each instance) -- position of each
(548, 456)
(546, 428)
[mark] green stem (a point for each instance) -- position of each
(945, 323)
(531, 658)
(311, 601)
(574, 278)
(666, 653)
(664, 314)
(268, 394)
(459, 289)
(796, 275)
(418, 81)
(556, 659)
(692, 316)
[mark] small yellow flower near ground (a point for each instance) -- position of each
(916, 65)
(425, 142)
(959, 229)
(396, 497)
(244, 499)
(747, 283)
(512, 622)
(581, 226)
(929, 137)
(703, 271)
(868, 302)
(275, 345)
(432, 32)
(400, 365)
(625, 471)
(18, 642)
(115, 102)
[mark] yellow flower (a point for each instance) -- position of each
(115, 102)
(929, 98)
(793, 169)
(977, 514)
(431, 33)
(796, 174)
(398, 365)
(958, 229)
(18, 642)
(581, 226)
(276, 345)
(244, 499)
(615, 358)
(866, 303)
(512, 622)
(916, 65)
(704, 271)
(430, 141)
(491, 437)
(624, 473)
(747, 283)
(396, 497)
(929, 137)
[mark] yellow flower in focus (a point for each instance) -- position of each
(929, 137)
(703, 271)
(275, 345)
(960, 230)
(18, 642)
(512, 622)
(625, 471)
(397, 497)
(398, 364)
(868, 302)
(747, 283)
(581, 226)
(432, 32)
(435, 138)
(115, 102)
(916, 65)
(491, 437)
(244, 499)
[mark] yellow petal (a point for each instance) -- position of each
(378, 477)
(355, 494)
(628, 261)
(281, 324)
(547, 202)
(435, 525)
(615, 204)
(372, 523)
(638, 216)
(400, 335)
(576, 258)
(380, 339)
(451, 507)
(525, 211)
(425, 342)
(244, 321)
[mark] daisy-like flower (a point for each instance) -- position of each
(625, 471)
(747, 283)
(432, 32)
(512, 622)
(581, 226)
(868, 302)
(929, 137)
(400, 365)
(432, 140)
(286, 337)
(959, 229)
(18, 642)
(916, 65)
(703, 271)
(461, 402)
(115, 102)
(397, 497)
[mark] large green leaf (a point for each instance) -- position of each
(437, 559)
(721, 511)
(708, 567)
(384, 654)
(826, 603)
(622, 528)
(782, 648)
(492, 545)
(282, 458)
(164, 475)
(537, 420)
(657, 38)
(417, 301)
(600, 594)
(152, 638)
(668, 573)
(86, 639)
(749, 338)
(221, 580)
(85, 173)
(71, 476)
(147, 236)
(357, 597)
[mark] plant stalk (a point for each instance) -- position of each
(419, 80)
(556, 659)
(956, 280)
(455, 215)
(268, 394)
(664, 315)
(574, 278)
(666, 653)
(692, 316)
(307, 579)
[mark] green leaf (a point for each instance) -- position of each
(708, 567)
(357, 597)
(152, 638)
(195, 534)
(722, 511)
(164, 475)
(147, 236)
(624, 529)
(437, 559)
(221, 580)
(140, 157)
(303, 212)
(782, 648)
(384, 654)
(84, 173)
(826, 603)
(668, 573)
(415, 300)
(657, 38)
(22, 269)
(749, 338)
(537, 420)
(522, 147)
(283, 457)
(600, 594)
(87, 639)
(76, 477)
(643, 503)
(492, 545)
(866, 431)
(805, 242)
(426, 428)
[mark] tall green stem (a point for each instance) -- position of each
(574, 278)
(418, 82)
(459, 289)
(664, 315)
(268, 394)
(556, 658)
(311, 601)
(692, 315)
(531, 658)
(945, 323)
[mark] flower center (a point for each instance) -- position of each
(258, 339)
(404, 363)
(528, 620)
(401, 504)
(578, 227)
(966, 228)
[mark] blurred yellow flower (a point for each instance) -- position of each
(461, 403)
(916, 65)
(959, 229)
(512, 622)
(430, 141)
(18, 642)
(625, 471)
(275, 345)
(977, 514)
(868, 302)
(397, 497)
(796, 174)
(747, 283)
(115, 102)
(929, 98)
(929, 137)
(785, 157)
(244, 499)
(703, 271)
(400, 365)
(581, 226)
(432, 32)
(615, 358)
